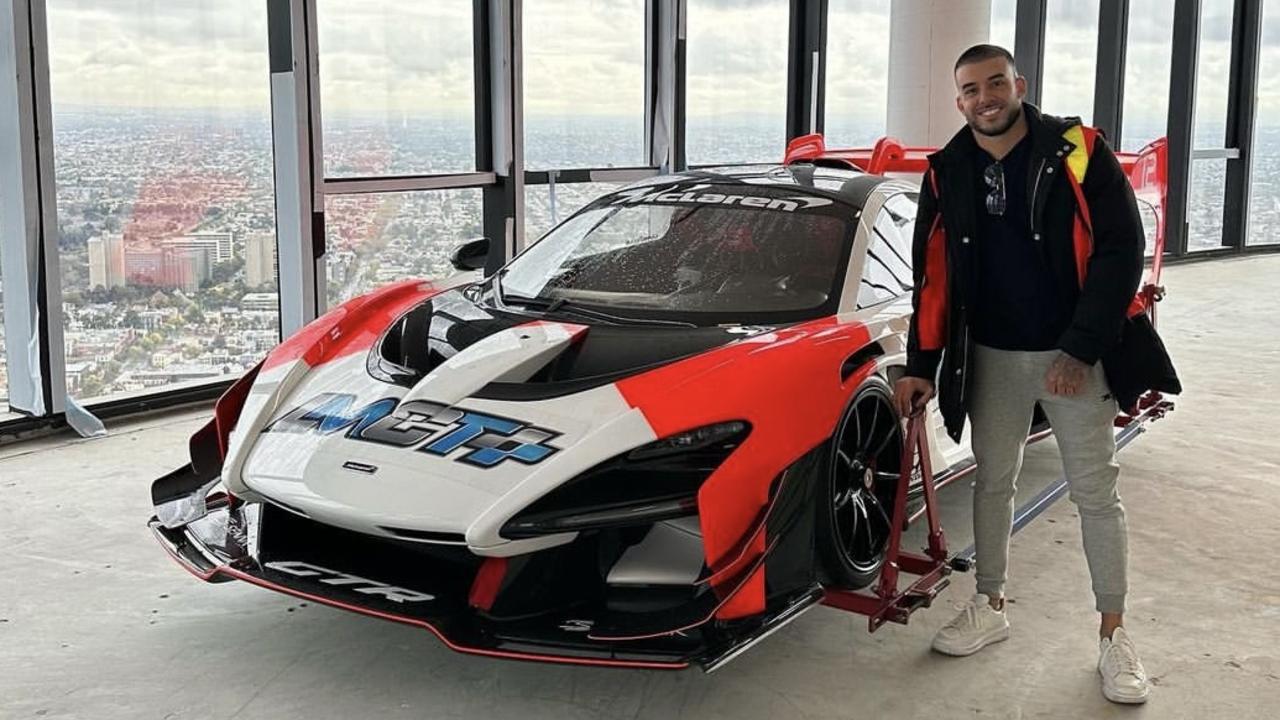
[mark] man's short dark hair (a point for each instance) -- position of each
(980, 53)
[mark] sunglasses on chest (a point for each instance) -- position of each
(993, 175)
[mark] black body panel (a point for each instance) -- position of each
(431, 333)
(549, 604)
(791, 531)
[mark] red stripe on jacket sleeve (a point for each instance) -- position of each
(931, 315)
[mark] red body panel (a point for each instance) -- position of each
(487, 583)
(352, 327)
(787, 385)
(888, 155)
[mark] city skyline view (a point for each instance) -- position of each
(163, 164)
(394, 58)
(206, 194)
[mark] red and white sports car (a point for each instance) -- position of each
(654, 436)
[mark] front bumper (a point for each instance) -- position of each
(433, 588)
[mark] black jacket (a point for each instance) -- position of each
(1094, 257)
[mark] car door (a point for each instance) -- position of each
(879, 291)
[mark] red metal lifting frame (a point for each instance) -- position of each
(886, 603)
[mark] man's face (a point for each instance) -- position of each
(990, 95)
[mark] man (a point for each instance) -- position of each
(1028, 251)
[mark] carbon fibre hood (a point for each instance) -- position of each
(449, 323)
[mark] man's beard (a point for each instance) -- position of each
(1000, 129)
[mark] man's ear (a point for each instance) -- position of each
(1020, 85)
(959, 105)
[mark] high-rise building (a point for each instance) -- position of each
(106, 261)
(169, 266)
(260, 302)
(260, 261)
(220, 245)
(198, 252)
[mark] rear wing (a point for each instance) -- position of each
(1148, 171)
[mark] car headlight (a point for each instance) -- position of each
(703, 437)
(657, 481)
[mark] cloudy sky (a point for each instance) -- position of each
(582, 56)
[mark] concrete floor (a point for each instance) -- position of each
(96, 622)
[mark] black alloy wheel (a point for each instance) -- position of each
(855, 512)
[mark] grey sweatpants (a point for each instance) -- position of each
(1006, 386)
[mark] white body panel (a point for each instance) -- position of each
(512, 355)
(416, 490)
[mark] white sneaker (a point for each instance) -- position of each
(1124, 680)
(977, 626)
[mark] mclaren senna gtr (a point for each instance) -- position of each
(657, 434)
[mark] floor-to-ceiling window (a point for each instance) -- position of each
(4, 370)
(1264, 215)
(1003, 23)
(378, 238)
(547, 205)
(584, 75)
(737, 81)
(397, 87)
(857, 87)
(1207, 186)
(583, 84)
(397, 98)
(162, 143)
(1070, 58)
(1148, 52)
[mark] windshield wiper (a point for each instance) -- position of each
(539, 303)
(564, 305)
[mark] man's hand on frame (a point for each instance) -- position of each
(911, 394)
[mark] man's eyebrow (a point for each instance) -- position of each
(996, 76)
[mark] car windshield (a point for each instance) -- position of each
(701, 253)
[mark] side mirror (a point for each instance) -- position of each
(471, 255)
